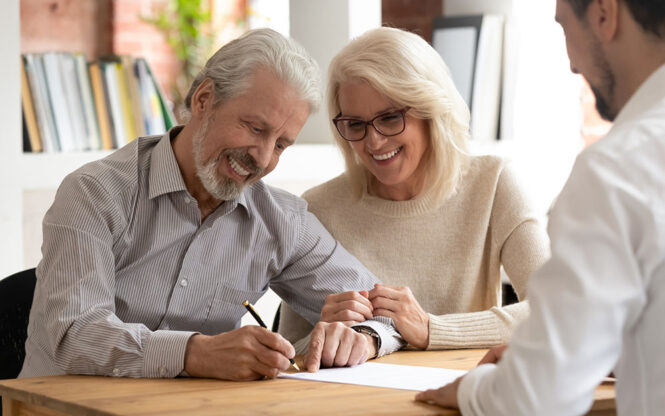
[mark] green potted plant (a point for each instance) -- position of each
(187, 28)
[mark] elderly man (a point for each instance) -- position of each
(149, 253)
(598, 304)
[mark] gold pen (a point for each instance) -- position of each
(258, 319)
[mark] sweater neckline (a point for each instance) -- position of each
(420, 205)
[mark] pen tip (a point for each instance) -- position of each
(245, 303)
(296, 366)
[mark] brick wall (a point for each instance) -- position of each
(415, 16)
(132, 36)
(69, 25)
(105, 27)
(97, 28)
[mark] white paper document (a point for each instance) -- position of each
(406, 377)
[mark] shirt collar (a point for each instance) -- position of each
(165, 176)
(646, 96)
(233, 203)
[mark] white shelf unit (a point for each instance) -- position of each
(47, 170)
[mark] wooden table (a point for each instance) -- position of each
(91, 395)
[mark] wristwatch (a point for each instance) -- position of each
(372, 333)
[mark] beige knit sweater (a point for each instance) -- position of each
(450, 256)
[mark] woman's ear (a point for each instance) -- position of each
(203, 98)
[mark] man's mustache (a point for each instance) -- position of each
(246, 160)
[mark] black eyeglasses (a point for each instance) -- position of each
(353, 129)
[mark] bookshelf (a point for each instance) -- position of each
(29, 180)
(22, 172)
(72, 105)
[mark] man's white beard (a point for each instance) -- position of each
(220, 187)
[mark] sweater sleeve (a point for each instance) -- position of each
(523, 248)
(475, 329)
(517, 232)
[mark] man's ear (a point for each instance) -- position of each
(203, 98)
(603, 16)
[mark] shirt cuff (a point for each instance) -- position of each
(467, 392)
(390, 339)
(165, 353)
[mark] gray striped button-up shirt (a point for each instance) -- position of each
(129, 271)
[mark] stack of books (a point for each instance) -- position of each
(71, 105)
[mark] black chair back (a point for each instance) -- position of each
(16, 292)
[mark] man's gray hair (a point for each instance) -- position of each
(233, 65)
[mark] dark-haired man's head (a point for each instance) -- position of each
(587, 54)
(649, 14)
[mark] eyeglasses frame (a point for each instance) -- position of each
(339, 117)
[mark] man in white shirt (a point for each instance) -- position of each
(598, 305)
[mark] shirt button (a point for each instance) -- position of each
(116, 372)
(162, 371)
(183, 282)
(187, 200)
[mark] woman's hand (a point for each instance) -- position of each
(348, 307)
(398, 303)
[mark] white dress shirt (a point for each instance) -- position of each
(599, 304)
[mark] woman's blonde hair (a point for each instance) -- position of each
(409, 72)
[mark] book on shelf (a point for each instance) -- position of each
(70, 105)
(60, 103)
(94, 140)
(131, 77)
(101, 109)
(113, 102)
(149, 99)
(31, 131)
(472, 47)
(44, 116)
(164, 109)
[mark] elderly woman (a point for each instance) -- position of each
(433, 222)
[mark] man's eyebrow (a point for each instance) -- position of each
(260, 121)
(288, 140)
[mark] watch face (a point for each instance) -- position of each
(375, 336)
(369, 332)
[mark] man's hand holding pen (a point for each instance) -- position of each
(253, 352)
(247, 353)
